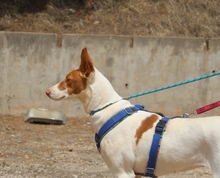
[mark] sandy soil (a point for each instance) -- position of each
(55, 151)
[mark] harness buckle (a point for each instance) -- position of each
(97, 138)
(129, 110)
(160, 126)
(150, 170)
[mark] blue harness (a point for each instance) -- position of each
(155, 146)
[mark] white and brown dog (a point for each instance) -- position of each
(186, 144)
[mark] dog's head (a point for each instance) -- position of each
(75, 82)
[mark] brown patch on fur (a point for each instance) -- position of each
(145, 126)
(74, 82)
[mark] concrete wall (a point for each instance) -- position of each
(30, 63)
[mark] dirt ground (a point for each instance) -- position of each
(68, 151)
(55, 151)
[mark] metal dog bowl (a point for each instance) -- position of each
(44, 116)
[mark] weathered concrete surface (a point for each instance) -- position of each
(30, 63)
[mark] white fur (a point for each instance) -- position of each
(186, 144)
(57, 94)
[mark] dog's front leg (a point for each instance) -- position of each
(120, 170)
(118, 167)
(125, 175)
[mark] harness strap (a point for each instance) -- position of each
(115, 120)
(155, 147)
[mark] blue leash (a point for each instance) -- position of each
(172, 85)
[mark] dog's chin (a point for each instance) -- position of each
(57, 98)
(69, 97)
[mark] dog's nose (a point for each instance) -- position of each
(48, 92)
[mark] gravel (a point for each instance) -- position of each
(55, 151)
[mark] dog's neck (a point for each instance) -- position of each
(98, 94)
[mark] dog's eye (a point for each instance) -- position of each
(67, 79)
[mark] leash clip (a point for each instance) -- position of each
(186, 115)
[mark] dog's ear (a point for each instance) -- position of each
(86, 66)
